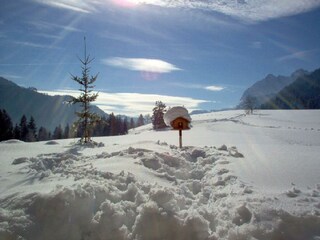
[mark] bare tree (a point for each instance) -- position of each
(249, 104)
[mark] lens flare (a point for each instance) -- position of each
(126, 3)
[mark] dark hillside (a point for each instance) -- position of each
(48, 111)
(304, 93)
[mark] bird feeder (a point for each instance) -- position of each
(180, 123)
(178, 118)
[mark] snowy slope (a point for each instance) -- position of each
(238, 177)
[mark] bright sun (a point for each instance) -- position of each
(126, 3)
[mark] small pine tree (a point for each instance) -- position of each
(106, 128)
(157, 117)
(16, 132)
(57, 133)
(119, 125)
(32, 130)
(23, 128)
(86, 118)
(66, 133)
(140, 121)
(113, 125)
(147, 119)
(43, 134)
(125, 126)
(132, 124)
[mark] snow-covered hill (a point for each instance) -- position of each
(238, 177)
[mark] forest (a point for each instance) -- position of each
(27, 130)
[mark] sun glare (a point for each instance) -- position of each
(126, 3)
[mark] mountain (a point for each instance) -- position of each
(265, 89)
(48, 111)
(303, 93)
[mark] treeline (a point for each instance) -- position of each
(27, 129)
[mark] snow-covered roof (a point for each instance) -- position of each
(174, 113)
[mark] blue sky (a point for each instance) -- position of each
(200, 54)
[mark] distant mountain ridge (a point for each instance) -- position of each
(265, 89)
(48, 111)
(303, 93)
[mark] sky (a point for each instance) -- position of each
(201, 54)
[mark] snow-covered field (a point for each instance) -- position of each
(238, 177)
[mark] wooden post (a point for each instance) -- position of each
(180, 138)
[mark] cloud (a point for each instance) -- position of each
(35, 45)
(247, 10)
(256, 45)
(298, 55)
(73, 5)
(141, 64)
(133, 104)
(42, 25)
(11, 76)
(214, 88)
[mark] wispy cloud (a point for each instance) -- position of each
(298, 55)
(293, 53)
(256, 45)
(214, 88)
(141, 64)
(253, 10)
(121, 38)
(35, 45)
(248, 10)
(82, 6)
(11, 76)
(133, 104)
(42, 25)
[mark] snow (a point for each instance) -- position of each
(239, 177)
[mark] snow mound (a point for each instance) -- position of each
(205, 200)
(52, 142)
(19, 160)
(12, 141)
(174, 113)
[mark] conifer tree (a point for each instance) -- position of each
(119, 124)
(32, 130)
(125, 126)
(57, 133)
(147, 119)
(132, 124)
(16, 132)
(157, 117)
(113, 125)
(43, 134)
(6, 129)
(140, 121)
(23, 128)
(66, 133)
(86, 118)
(106, 128)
